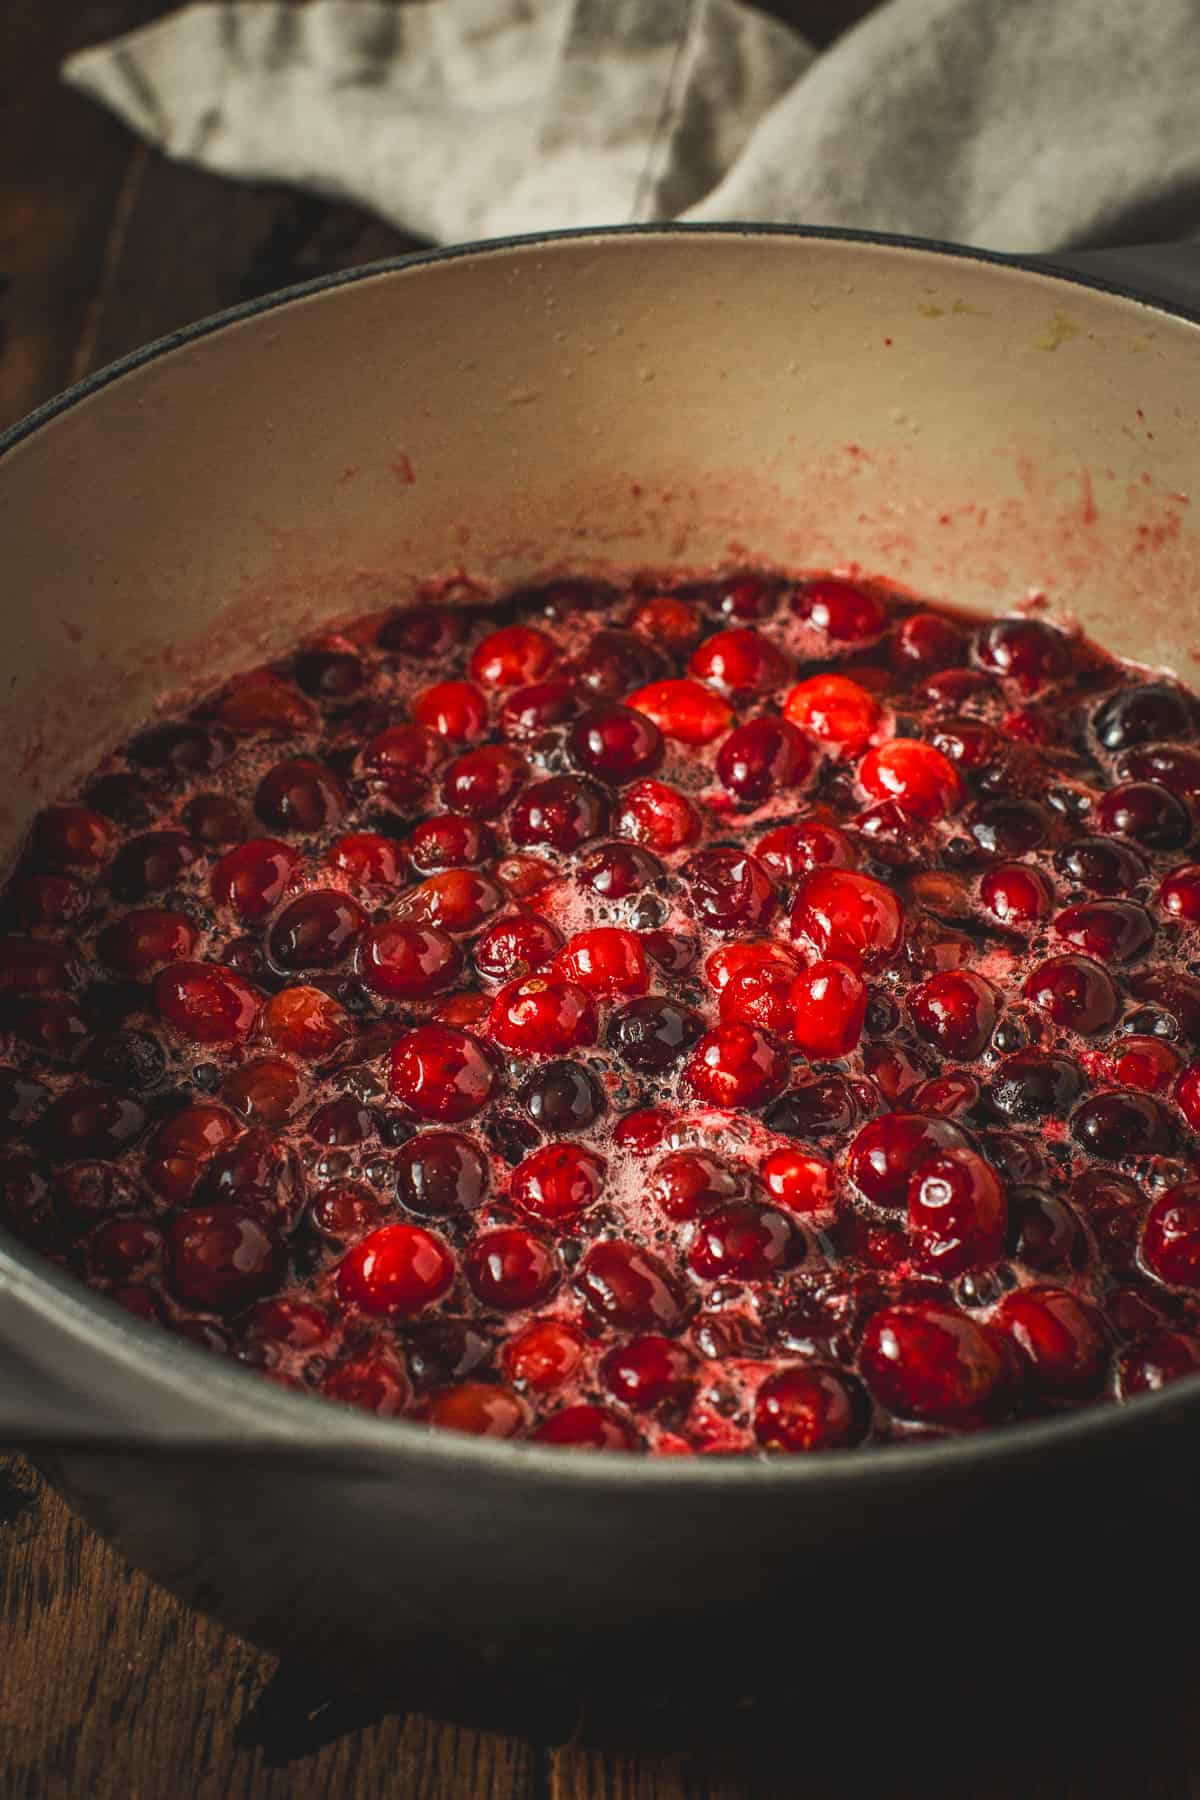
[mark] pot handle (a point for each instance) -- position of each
(1167, 272)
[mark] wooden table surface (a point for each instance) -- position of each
(107, 1685)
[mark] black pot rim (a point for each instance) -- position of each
(271, 1420)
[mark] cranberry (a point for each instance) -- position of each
(918, 778)
(615, 871)
(340, 1122)
(542, 1015)
(667, 623)
(483, 782)
(562, 1096)
(1146, 812)
(441, 1073)
(688, 1183)
(829, 1005)
(300, 795)
(956, 1012)
(290, 1323)
(316, 931)
(563, 812)
(927, 1362)
(651, 1034)
(25, 1197)
(729, 889)
(793, 850)
(606, 961)
(586, 1427)
(124, 798)
(1044, 1233)
(439, 1173)
(306, 1022)
(260, 701)
(1174, 998)
(71, 839)
(1120, 1124)
(1138, 715)
(1061, 1340)
(529, 711)
(140, 943)
(214, 819)
(48, 900)
(844, 612)
(510, 1269)
(1102, 865)
(1170, 1237)
(743, 1240)
(260, 1171)
(453, 709)
(344, 1212)
(1187, 1095)
(222, 1257)
(967, 743)
(251, 879)
(886, 1152)
(329, 669)
(513, 656)
(684, 711)
(649, 1372)
(368, 860)
(758, 994)
(407, 962)
(479, 1408)
(557, 1183)
(957, 1211)
(615, 743)
(658, 816)
(516, 946)
(1157, 1360)
(1179, 893)
(925, 641)
(847, 917)
(86, 1191)
(763, 757)
(450, 841)
(1009, 828)
(739, 663)
(737, 1065)
(267, 1091)
(421, 631)
(821, 1108)
(1148, 1063)
(810, 1407)
(150, 863)
(1074, 992)
(1032, 1086)
(182, 751)
(1173, 766)
(631, 1288)
(1016, 894)
(544, 1355)
(23, 1099)
(396, 1271)
(374, 1381)
(1026, 651)
(836, 710)
(799, 1179)
(1109, 930)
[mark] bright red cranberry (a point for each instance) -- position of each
(440, 1173)
(544, 1355)
(1026, 651)
(542, 1015)
(829, 1004)
(1179, 893)
(887, 1151)
(799, 1179)
(71, 839)
(743, 1240)
(957, 1211)
(206, 1002)
(737, 1065)
(139, 943)
(739, 663)
(1146, 812)
(441, 1073)
(763, 957)
(563, 813)
(729, 889)
(397, 1271)
(513, 656)
(306, 1022)
(689, 1183)
(300, 795)
(1187, 1095)
(1148, 1063)
(606, 961)
(557, 1182)
(810, 1407)
(266, 1091)
(648, 1372)
(1173, 766)
(483, 782)
(251, 879)
(1170, 1238)
(837, 711)
(1156, 1361)
(848, 917)
(454, 900)
(658, 816)
(1061, 1339)
(758, 994)
(684, 711)
(529, 711)
(844, 612)
(421, 631)
(479, 1408)
(316, 931)
(586, 1427)
(407, 962)
(763, 757)
(668, 623)
(516, 946)
(1074, 992)
(615, 743)
(631, 1288)
(511, 1269)
(223, 1257)
(259, 701)
(1016, 894)
(1109, 930)
(918, 778)
(928, 1362)
(794, 850)
(453, 709)
(956, 1012)
(151, 863)
(450, 841)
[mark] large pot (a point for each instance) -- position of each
(972, 428)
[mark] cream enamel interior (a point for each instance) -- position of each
(977, 432)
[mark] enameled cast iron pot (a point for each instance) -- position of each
(973, 428)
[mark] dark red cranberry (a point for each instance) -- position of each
(222, 1257)
(124, 798)
(928, 1362)
(47, 900)
(967, 743)
(1179, 894)
(885, 1153)
(54, 1027)
(421, 631)
(956, 1012)
(1109, 930)
(266, 1091)
(407, 962)
(614, 871)
(1138, 715)
(344, 1212)
(397, 1271)
(614, 662)
(510, 1269)
(92, 1122)
(450, 841)
(1033, 1085)
(32, 968)
(23, 1100)
(251, 879)
(441, 1073)
(128, 1249)
(586, 1427)
(260, 1171)
(483, 782)
(1146, 812)
(340, 1122)
(1173, 766)
(516, 946)
(764, 756)
(262, 701)
(1010, 827)
(1120, 1124)
(1026, 651)
(25, 1197)
(331, 670)
(1102, 865)
(1044, 1233)
(1016, 894)
(1160, 1358)
(848, 917)
(667, 623)
(529, 711)
(746, 597)
(632, 1288)
(215, 819)
(513, 656)
(151, 863)
(743, 1240)
(70, 839)
(730, 889)
(306, 1022)
(439, 1173)
(562, 1097)
(845, 613)
(615, 743)
(369, 860)
(925, 641)
(810, 1407)
(299, 795)
(316, 931)
(479, 1408)
(1061, 1340)
(88, 1192)
(374, 1381)
(651, 1034)
(1174, 996)
(825, 1107)
(456, 900)
(563, 813)
(183, 751)
(130, 1059)
(957, 1211)
(1170, 1237)
(1074, 992)
(688, 1183)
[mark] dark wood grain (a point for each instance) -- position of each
(109, 1687)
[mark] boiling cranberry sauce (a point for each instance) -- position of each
(751, 1015)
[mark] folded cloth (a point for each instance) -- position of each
(1014, 124)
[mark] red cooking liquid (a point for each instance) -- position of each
(755, 1016)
